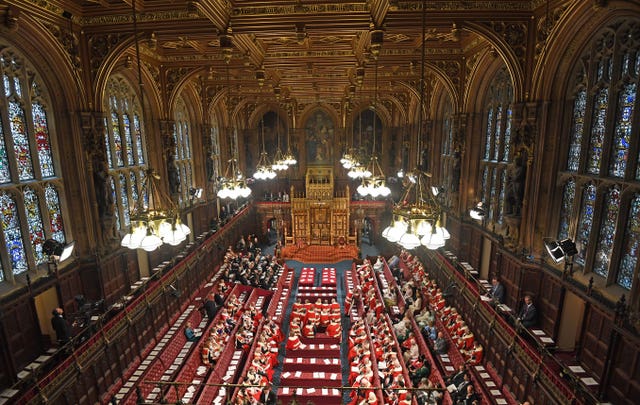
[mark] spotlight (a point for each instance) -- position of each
(559, 250)
(195, 192)
(477, 212)
(57, 251)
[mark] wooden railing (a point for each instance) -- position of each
(98, 352)
(512, 351)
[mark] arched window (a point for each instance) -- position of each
(182, 153)
(450, 151)
(599, 156)
(125, 147)
(30, 208)
(496, 149)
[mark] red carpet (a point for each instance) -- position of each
(313, 371)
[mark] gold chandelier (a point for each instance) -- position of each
(418, 216)
(374, 184)
(155, 219)
(233, 184)
(264, 170)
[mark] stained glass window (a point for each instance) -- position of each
(126, 124)
(117, 139)
(585, 222)
(577, 129)
(607, 232)
(182, 151)
(20, 141)
(599, 123)
(494, 191)
(41, 131)
(603, 132)
(134, 188)
(497, 141)
(56, 223)
(124, 138)
(622, 134)
(34, 220)
(630, 246)
(5, 176)
(497, 148)
(489, 134)
(114, 196)
(503, 179)
(30, 209)
(124, 199)
(138, 137)
(568, 196)
(12, 233)
(507, 137)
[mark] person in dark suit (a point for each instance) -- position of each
(210, 307)
(459, 392)
(471, 396)
(60, 326)
(458, 377)
(267, 397)
(496, 293)
(528, 315)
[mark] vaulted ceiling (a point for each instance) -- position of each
(307, 51)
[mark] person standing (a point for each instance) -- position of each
(210, 307)
(60, 326)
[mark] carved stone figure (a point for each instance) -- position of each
(514, 192)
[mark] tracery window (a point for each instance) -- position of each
(30, 207)
(497, 145)
(182, 154)
(124, 144)
(450, 151)
(599, 156)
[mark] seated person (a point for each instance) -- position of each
(496, 292)
(394, 262)
(190, 333)
(528, 315)
(441, 346)
(470, 396)
(430, 332)
(378, 266)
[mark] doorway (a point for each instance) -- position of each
(46, 302)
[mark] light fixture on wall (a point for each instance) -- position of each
(233, 184)
(560, 250)
(155, 219)
(477, 212)
(375, 185)
(418, 216)
(263, 168)
(57, 251)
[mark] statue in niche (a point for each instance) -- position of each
(319, 134)
(514, 189)
(104, 197)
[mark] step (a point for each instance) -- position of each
(312, 364)
(321, 351)
(310, 378)
(324, 396)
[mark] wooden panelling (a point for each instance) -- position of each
(549, 303)
(23, 329)
(596, 339)
(624, 385)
